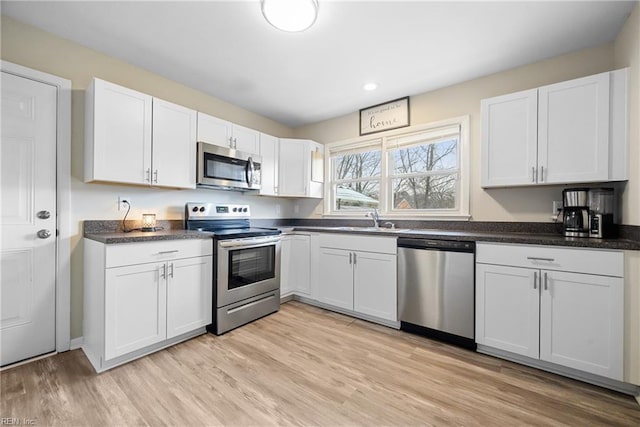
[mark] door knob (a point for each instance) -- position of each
(44, 214)
(43, 234)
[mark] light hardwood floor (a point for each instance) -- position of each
(306, 366)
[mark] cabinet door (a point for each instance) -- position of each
(135, 308)
(300, 264)
(509, 139)
(121, 134)
(189, 294)
(374, 285)
(269, 151)
(246, 140)
(286, 260)
(507, 308)
(316, 170)
(213, 130)
(174, 145)
(335, 285)
(581, 322)
(293, 179)
(573, 130)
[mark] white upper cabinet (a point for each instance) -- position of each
(269, 152)
(174, 154)
(134, 138)
(568, 132)
(117, 134)
(213, 130)
(509, 139)
(301, 168)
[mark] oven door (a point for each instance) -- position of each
(246, 267)
(220, 167)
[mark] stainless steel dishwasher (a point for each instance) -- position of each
(436, 290)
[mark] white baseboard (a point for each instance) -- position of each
(76, 343)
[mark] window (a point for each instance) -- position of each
(413, 171)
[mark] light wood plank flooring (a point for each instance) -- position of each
(306, 366)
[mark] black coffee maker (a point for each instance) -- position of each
(575, 209)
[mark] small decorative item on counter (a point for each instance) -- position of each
(148, 222)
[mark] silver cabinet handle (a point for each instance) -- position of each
(44, 234)
(44, 214)
(163, 271)
(350, 258)
(148, 178)
(155, 176)
(546, 282)
(533, 174)
(235, 142)
(533, 258)
(541, 173)
(168, 252)
(171, 270)
(354, 258)
(535, 280)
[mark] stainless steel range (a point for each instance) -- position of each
(246, 278)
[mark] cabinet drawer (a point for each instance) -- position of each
(356, 242)
(588, 261)
(141, 252)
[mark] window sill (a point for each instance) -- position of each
(391, 216)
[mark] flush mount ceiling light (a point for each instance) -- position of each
(370, 86)
(290, 15)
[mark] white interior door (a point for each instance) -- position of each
(28, 211)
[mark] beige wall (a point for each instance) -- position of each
(514, 204)
(42, 51)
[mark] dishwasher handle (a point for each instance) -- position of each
(437, 245)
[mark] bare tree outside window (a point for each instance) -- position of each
(357, 177)
(425, 176)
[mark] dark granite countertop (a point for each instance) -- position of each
(142, 236)
(495, 237)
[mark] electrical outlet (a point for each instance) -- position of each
(121, 205)
(557, 207)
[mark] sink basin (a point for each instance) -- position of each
(369, 229)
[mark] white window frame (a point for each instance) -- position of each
(385, 208)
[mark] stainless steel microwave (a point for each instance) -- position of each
(227, 169)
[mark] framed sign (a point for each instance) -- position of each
(389, 115)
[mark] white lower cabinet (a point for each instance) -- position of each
(538, 302)
(140, 297)
(295, 264)
(358, 273)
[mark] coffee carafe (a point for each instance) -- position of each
(575, 209)
(601, 206)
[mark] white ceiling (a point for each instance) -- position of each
(227, 49)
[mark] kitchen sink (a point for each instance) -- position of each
(368, 229)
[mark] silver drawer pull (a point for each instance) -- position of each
(532, 258)
(168, 252)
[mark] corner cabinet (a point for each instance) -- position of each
(213, 130)
(569, 132)
(133, 138)
(140, 297)
(303, 175)
(358, 273)
(295, 264)
(557, 305)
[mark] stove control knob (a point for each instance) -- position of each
(202, 209)
(195, 209)
(235, 209)
(244, 210)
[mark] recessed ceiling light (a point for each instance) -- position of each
(370, 86)
(290, 15)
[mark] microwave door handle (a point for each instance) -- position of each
(250, 172)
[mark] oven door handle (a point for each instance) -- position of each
(249, 242)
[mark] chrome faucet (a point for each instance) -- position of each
(375, 216)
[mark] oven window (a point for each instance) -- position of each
(247, 266)
(220, 167)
